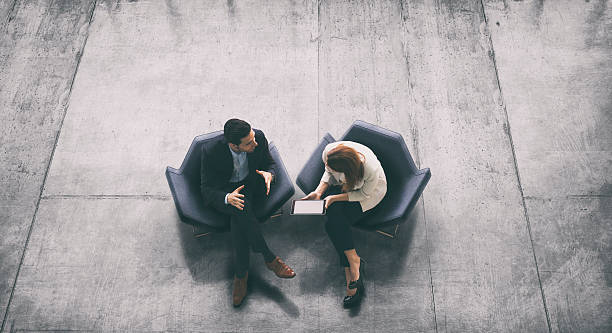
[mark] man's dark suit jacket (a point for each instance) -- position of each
(217, 167)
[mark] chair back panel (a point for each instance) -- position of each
(309, 177)
(388, 146)
(191, 164)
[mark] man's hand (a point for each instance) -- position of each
(314, 195)
(267, 178)
(234, 198)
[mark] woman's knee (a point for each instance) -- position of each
(328, 226)
(334, 225)
(334, 211)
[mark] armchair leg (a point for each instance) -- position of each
(390, 232)
(200, 234)
(277, 213)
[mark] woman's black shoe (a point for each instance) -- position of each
(350, 301)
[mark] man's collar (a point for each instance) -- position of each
(235, 153)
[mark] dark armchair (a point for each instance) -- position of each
(185, 187)
(405, 182)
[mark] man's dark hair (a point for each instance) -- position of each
(236, 129)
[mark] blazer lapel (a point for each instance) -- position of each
(225, 160)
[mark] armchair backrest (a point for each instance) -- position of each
(191, 164)
(388, 146)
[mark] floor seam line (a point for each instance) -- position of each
(105, 196)
(516, 169)
(318, 100)
(431, 285)
(414, 129)
(418, 158)
(42, 186)
(575, 196)
(9, 14)
(318, 68)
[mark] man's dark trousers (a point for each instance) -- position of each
(244, 225)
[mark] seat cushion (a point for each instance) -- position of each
(402, 195)
(188, 201)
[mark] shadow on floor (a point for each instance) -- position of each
(209, 258)
(258, 285)
(303, 242)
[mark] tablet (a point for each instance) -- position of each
(308, 207)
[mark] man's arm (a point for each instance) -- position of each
(268, 163)
(210, 187)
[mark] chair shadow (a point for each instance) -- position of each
(307, 240)
(302, 242)
(384, 254)
(209, 258)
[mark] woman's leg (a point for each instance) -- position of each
(349, 277)
(340, 217)
(339, 231)
(354, 262)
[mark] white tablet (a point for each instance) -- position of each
(308, 207)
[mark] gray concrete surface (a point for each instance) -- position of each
(40, 47)
(507, 102)
(555, 70)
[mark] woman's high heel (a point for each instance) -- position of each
(350, 301)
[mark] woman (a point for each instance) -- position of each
(353, 184)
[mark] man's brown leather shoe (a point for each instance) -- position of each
(240, 289)
(280, 268)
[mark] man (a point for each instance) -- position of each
(236, 176)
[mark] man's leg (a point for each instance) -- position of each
(257, 197)
(240, 243)
(245, 223)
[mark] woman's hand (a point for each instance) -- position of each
(314, 195)
(330, 199)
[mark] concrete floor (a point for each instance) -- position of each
(508, 102)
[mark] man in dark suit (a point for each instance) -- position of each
(236, 176)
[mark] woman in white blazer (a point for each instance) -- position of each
(352, 185)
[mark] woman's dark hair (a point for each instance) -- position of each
(236, 129)
(346, 160)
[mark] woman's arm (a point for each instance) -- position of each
(318, 192)
(323, 186)
(330, 199)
